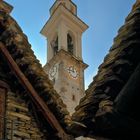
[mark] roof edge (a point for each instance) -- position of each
(4, 6)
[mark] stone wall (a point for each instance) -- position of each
(20, 123)
(2, 110)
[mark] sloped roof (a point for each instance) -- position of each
(113, 73)
(14, 46)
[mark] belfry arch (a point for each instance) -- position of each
(70, 43)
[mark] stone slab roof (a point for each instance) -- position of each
(113, 74)
(15, 44)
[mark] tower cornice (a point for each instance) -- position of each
(55, 3)
(62, 12)
(63, 52)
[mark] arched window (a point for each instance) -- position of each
(54, 45)
(70, 44)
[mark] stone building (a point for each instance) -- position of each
(30, 108)
(65, 65)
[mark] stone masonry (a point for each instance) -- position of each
(20, 123)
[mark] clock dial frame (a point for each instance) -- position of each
(72, 71)
(52, 72)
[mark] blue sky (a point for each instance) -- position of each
(104, 18)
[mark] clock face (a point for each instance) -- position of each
(72, 71)
(52, 72)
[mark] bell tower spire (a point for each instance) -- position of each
(67, 3)
(65, 65)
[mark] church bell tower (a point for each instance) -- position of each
(65, 65)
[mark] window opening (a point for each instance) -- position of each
(70, 44)
(54, 45)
